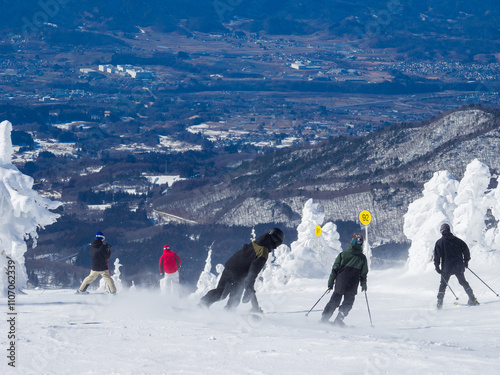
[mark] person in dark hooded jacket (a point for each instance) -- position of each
(453, 255)
(100, 252)
(349, 269)
(241, 270)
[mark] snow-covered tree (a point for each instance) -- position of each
(207, 279)
(116, 278)
(464, 206)
(425, 215)
(311, 256)
(253, 236)
(22, 212)
(470, 213)
(492, 200)
(116, 275)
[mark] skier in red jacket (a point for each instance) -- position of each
(169, 266)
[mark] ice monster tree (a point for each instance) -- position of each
(22, 212)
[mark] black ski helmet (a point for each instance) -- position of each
(445, 228)
(277, 236)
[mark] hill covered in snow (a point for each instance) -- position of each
(393, 328)
(382, 173)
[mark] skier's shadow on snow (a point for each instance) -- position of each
(489, 302)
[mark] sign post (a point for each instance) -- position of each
(365, 218)
(317, 230)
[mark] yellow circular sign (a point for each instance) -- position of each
(365, 217)
(317, 230)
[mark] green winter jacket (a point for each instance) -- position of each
(350, 268)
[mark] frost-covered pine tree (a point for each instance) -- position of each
(492, 235)
(311, 256)
(117, 273)
(464, 206)
(470, 213)
(116, 278)
(253, 236)
(22, 212)
(473, 202)
(207, 279)
(274, 273)
(133, 288)
(424, 217)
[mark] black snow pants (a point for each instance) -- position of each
(228, 285)
(461, 280)
(349, 296)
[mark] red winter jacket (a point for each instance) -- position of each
(169, 261)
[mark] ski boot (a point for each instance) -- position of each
(324, 319)
(256, 310)
(473, 302)
(339, 320)
(440, 301)
(472, 299)
(84, 291)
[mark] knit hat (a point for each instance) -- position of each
(166, 247)
(99, 236)
(357, 238)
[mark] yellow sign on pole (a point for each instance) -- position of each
(365, 217)
(317, 230)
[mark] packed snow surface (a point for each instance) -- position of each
(143, 331)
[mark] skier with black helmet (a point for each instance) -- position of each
(100, 251)
(241, 270)
(451, 257)
(349, 269)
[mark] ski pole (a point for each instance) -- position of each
(369, 313)
(327, 291)
(448, 285)
(483, 282)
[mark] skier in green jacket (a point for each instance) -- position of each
(349, 269)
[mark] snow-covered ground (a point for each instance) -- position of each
(147, 332)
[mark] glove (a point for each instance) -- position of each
(364, 288)
(438, 270)
(162, 274)
(331, 279)
(466, 264)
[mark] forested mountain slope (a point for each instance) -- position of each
(445, 28)
(382, 173)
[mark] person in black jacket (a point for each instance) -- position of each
(453, 255)
(241, 270)
(100, 252)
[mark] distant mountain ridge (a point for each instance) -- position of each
(389, 23)
(381, 173)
